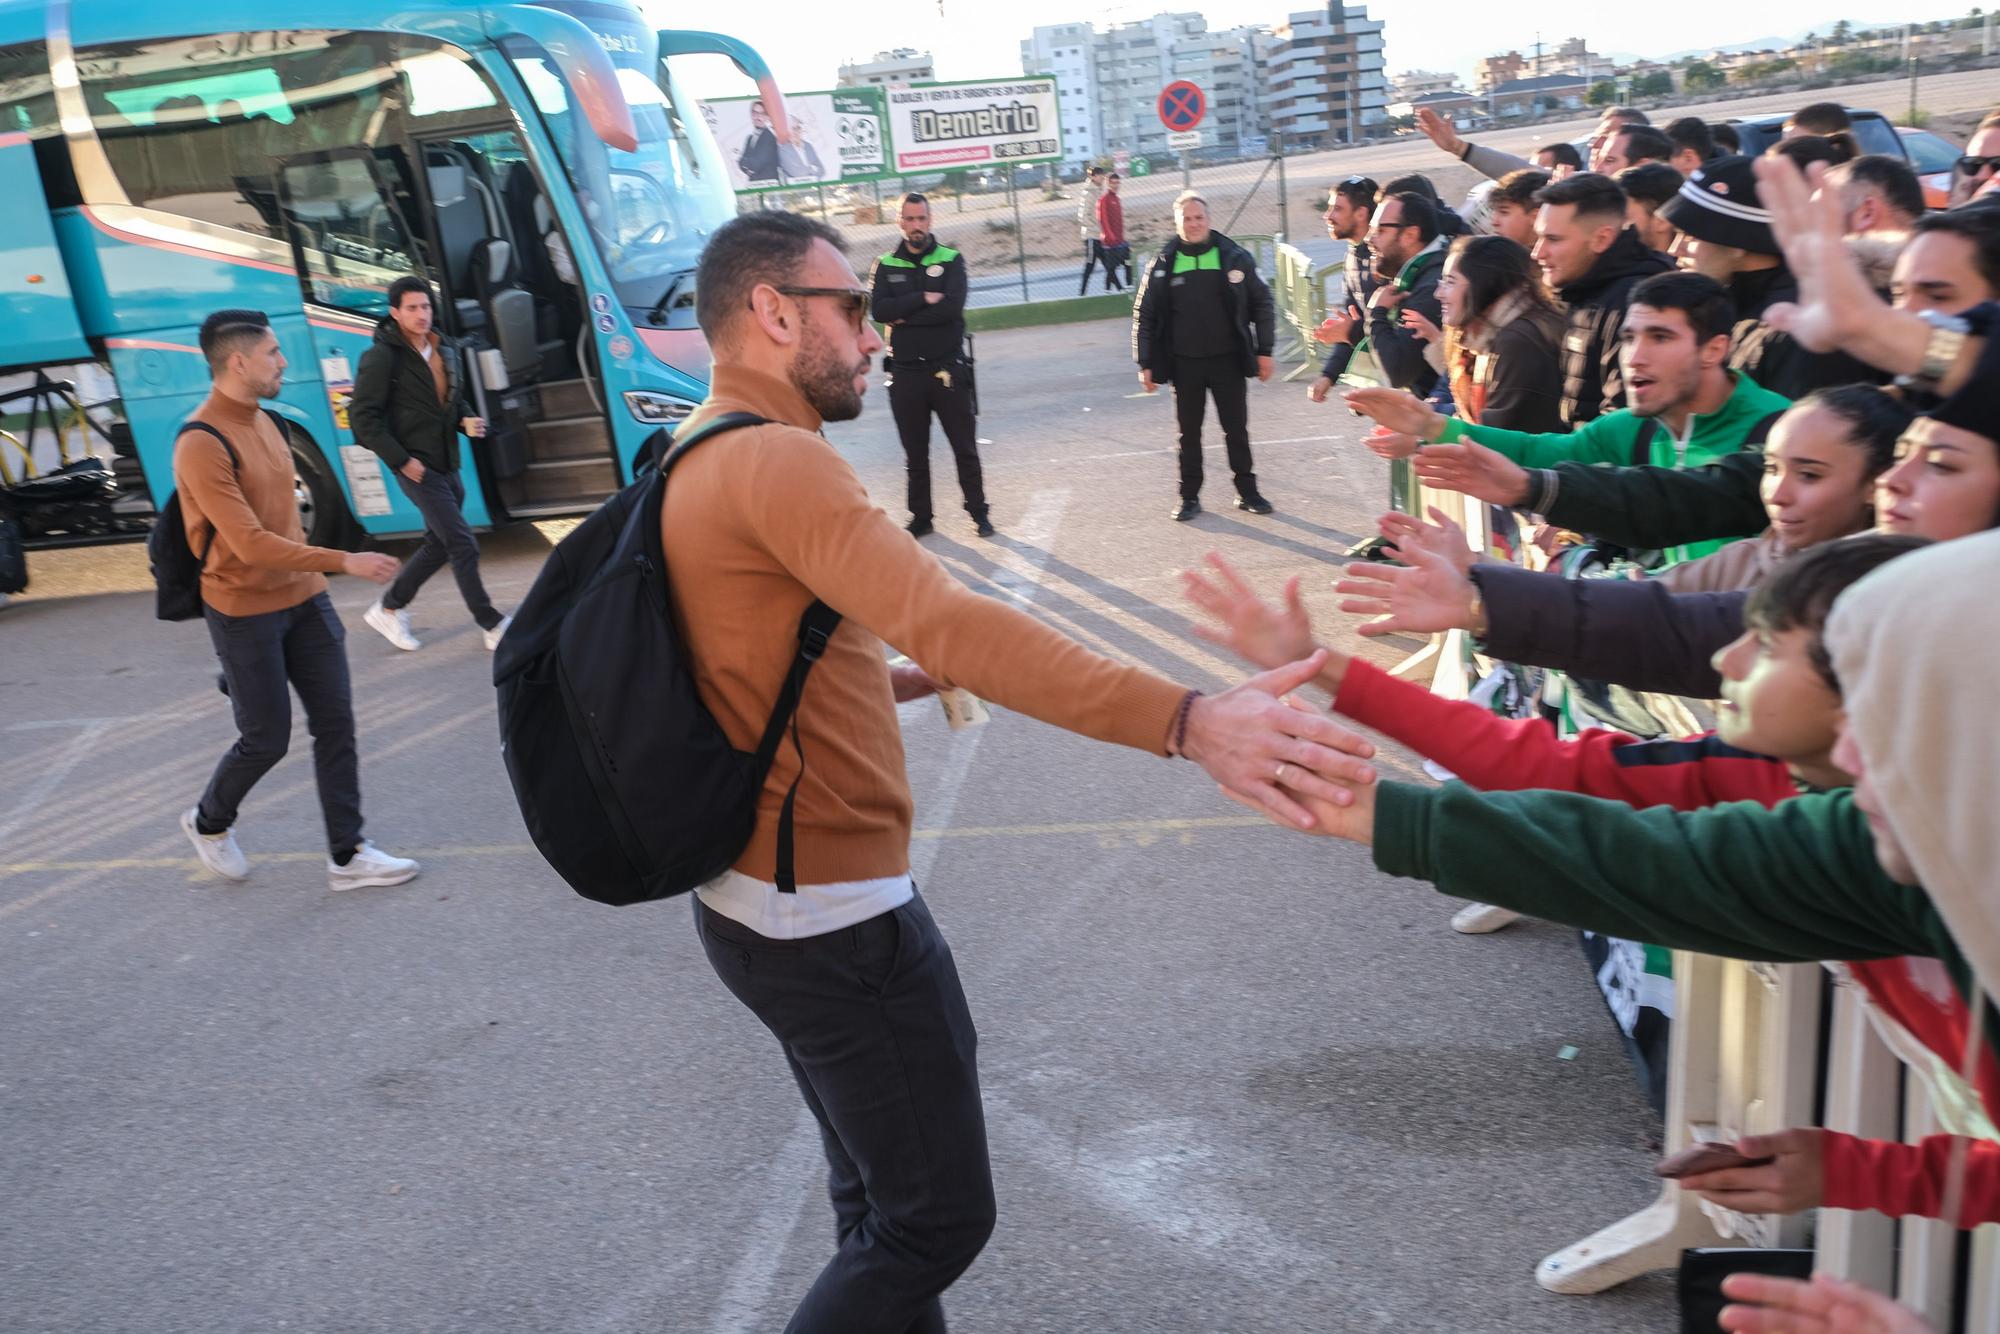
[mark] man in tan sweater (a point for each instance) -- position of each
(848, 970)
(264, 593)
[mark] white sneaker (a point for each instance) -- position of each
(497, 633)
(218, 852)
(1477, 919)
(393, 625)
(370, 868)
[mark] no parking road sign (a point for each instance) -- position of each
(1182, 105)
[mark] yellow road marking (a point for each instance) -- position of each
(1139, 827)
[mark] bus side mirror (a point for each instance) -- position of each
(589, 73)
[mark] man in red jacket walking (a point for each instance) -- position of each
(1111, 227)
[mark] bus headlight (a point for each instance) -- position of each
(656, 409)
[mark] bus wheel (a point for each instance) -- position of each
(322, 508)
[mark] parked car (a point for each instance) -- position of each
(1932, 156)
(1872, 131)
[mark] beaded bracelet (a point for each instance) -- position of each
(1181, 721)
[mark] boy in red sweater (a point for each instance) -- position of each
(1775, 738)
(1111, 242)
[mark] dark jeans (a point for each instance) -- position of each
(264, 658)
(447, 536)
(874, 1024)
(1195, 380)
(915, 393)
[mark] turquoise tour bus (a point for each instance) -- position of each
(538, 162)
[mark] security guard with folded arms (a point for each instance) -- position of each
(918, 290)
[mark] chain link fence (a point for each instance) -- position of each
(1025, 243)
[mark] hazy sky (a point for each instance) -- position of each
(805, 41)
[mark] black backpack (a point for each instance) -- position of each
(176, 569)
(629, 787)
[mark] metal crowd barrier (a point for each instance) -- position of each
(1301, 295)
(1745, 1059)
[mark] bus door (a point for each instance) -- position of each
(510, 290)
(346, 214)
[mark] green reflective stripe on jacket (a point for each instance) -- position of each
(1208, 259)
(940, 254)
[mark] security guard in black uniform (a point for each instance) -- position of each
(918, 290)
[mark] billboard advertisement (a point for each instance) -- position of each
(988, 122)
(830, 138)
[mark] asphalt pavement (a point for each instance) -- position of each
(1236, 1079)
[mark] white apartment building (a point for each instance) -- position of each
(1412, 84)
(1323, 81)
(888, 68)
(1064, 50)
(1317, 78)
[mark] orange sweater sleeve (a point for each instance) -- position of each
(202, 469)
(814, 516)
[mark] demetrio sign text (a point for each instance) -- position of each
(943, 125)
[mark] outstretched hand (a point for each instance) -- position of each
(1794, 1179)
(1471, 468)
(1244, 623)
(1259, 749)
(1352, 819)
(1835, 297)
(1384, 443)
(1397, 409)
(1443, 536)
(1822, 1305)
(1429, 596)
(1440, 132)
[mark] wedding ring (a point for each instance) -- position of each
(1279, 776)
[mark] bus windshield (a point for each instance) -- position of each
(651, 210)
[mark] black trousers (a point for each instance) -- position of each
(875, 1027)
(264, 658)
(1196, 379)
(447, 537)
(915, 393)
(1095, 252)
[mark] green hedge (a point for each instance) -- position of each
(1070, 310)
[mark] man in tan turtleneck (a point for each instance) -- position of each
(845, 965)
(269, 616)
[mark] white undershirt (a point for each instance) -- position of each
(813, 911)
(424, 349)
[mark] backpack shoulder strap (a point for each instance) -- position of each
(205, 429)
(1642, 443)
(728, 421)
(816, 628)
(1762, 430)
(235, 465)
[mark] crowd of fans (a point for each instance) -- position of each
(1735, 424)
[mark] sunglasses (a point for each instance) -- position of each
(1972, 166)
(853, 299)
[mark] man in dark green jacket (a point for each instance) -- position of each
(409, 406)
